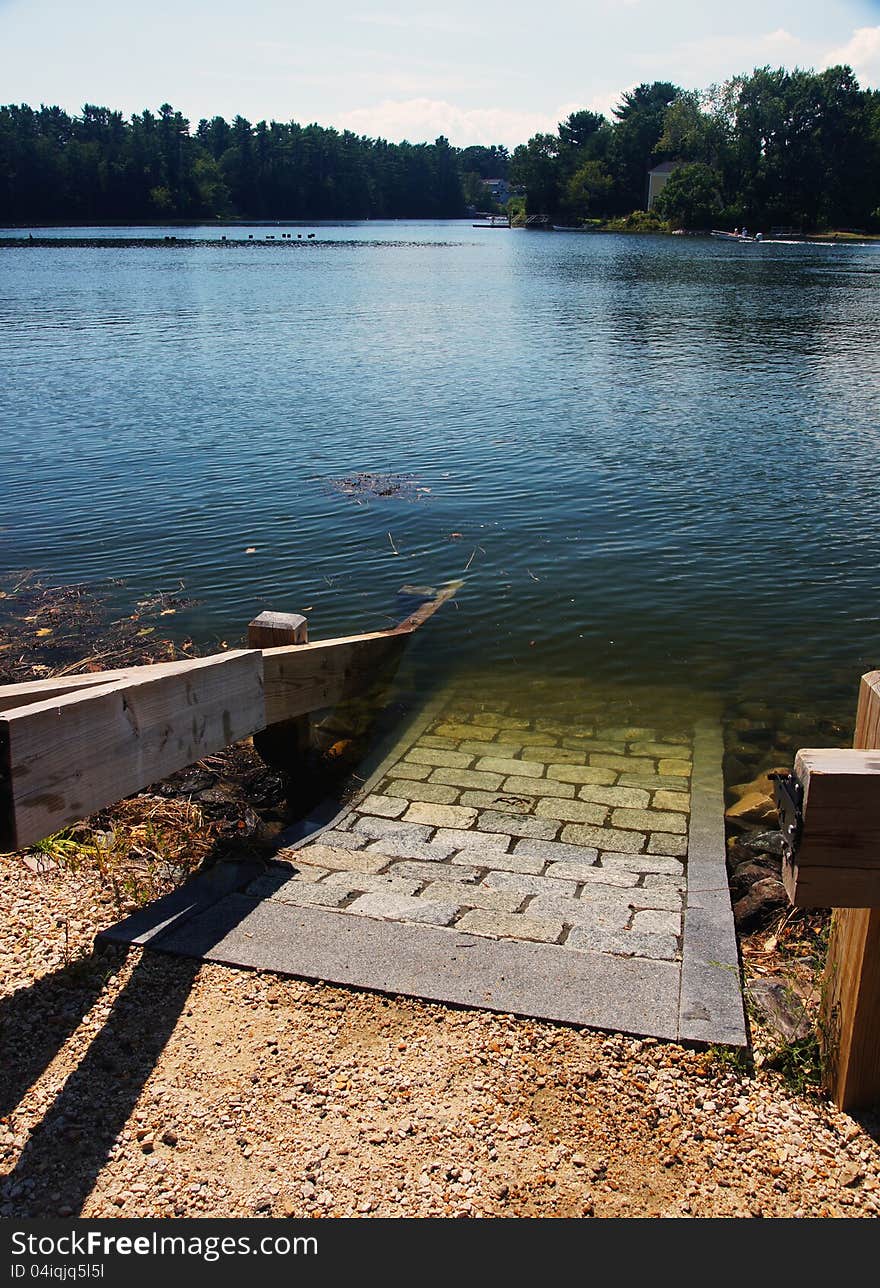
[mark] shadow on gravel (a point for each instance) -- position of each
(70, 1146)
(36, 1021)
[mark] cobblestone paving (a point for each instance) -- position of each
(514, 828)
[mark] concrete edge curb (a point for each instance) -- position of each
(711, 1002)
(538, 981)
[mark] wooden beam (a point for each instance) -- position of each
(284, 744)
(850, 1017)
(20, 695)
(63, 758)
(434, 600)
(837, 861)
(72, 744)
(867, 732)
(308, 677)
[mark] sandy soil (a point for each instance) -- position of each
(141, 1085)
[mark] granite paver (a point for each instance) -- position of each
(666, 843)
(547, 787)
(587, 873)
(506, 925)
(491, 843)
(446, 815)
(428, 793)
(436, 757)
(400, 907)
(385, 806)
(625, 944)
(518, 825)
(504, 803)
(571, 811)
(610, 915)
(581, 774)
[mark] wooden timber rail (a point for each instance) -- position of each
(71, 745)
(830, 817)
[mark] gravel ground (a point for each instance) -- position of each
(139, 1085)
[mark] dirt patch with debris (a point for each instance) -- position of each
(142, 1085)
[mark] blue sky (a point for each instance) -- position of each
(479, 71)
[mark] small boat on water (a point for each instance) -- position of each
(735, 236)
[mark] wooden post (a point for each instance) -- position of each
(283, 745)
(272, 630)
(850, 1019)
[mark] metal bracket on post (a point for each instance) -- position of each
(788, 793)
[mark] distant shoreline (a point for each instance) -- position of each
(29, 234)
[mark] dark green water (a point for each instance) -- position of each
(653, 460)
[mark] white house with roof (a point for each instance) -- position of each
(658, 179)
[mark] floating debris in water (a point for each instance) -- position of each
(404, 487)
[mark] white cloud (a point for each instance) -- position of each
(697, 63)
(862, 53)
(414, 22)
(423, 119)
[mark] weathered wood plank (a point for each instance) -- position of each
(850, 1025)
(837, 863)
(29, 691)
(63, 758)
(850, 1015)
(430, 606)
(72, 744)
(307, 677)
(867, 732)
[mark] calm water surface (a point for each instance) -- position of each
(651, 459)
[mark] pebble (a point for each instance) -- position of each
(293, 1099)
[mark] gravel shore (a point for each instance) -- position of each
(141, 1085)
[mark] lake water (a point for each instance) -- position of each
(653, 460)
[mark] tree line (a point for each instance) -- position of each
(797, 148)
(779, 147)
(98, 167)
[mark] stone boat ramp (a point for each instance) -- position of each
(494, 859)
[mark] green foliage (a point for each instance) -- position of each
(516, 211)
(691, 197)
(800, 1063)
(638, 221)
(535, 167)
(99, 167)
(162, 200)
(587, 189)
(736, 1059)
(798, 148)
(57, 847)
(487, 163)
(634, 148)
(794, 148)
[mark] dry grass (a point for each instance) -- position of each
(141, 848)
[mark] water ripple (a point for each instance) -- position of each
(645, 455)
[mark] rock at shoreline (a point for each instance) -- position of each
(756, 907)
(754, 807)
(748, 875)
(763, 842)
(780, 1007)
(761, 785)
